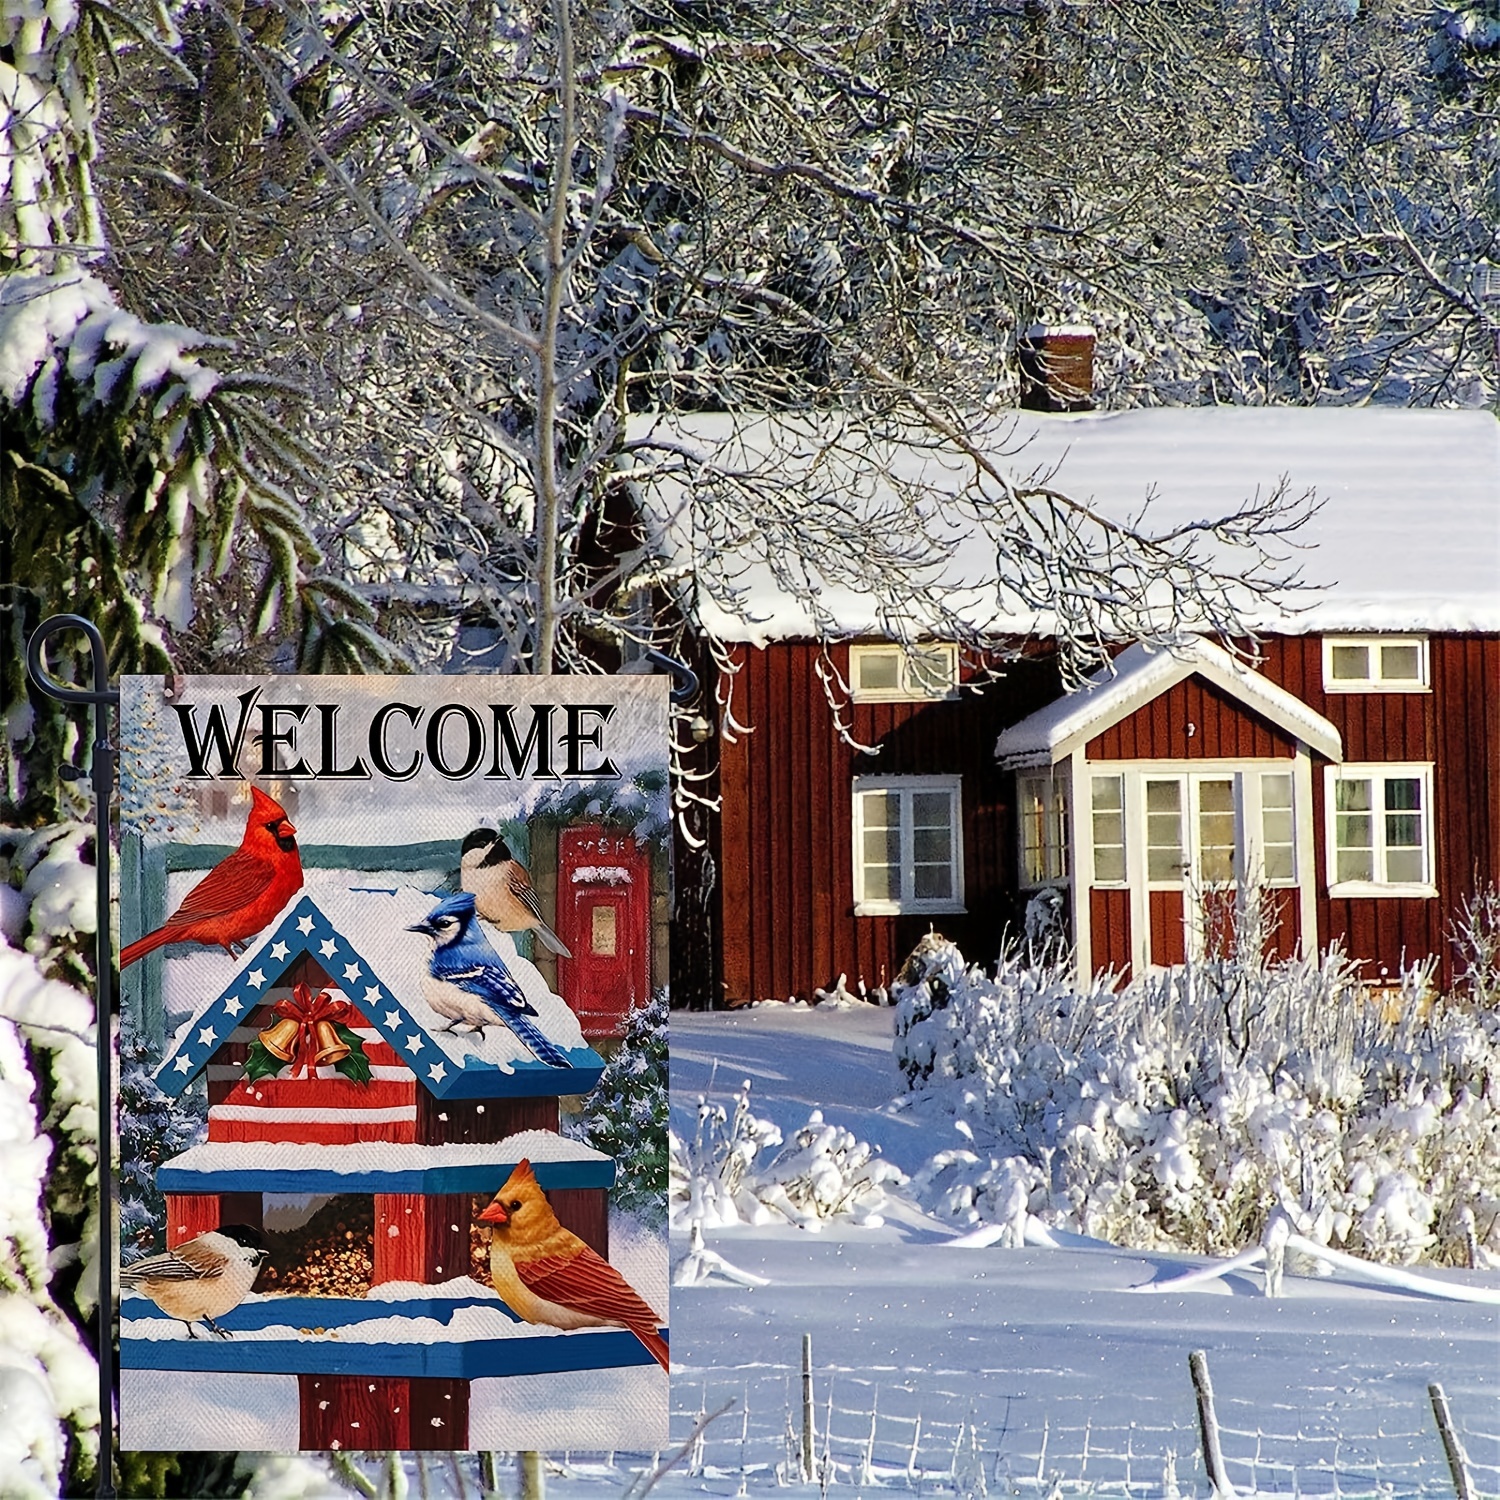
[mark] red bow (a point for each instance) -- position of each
(307, 1010)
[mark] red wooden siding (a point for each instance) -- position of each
(189, 1215)
(1456, 726)
(1109, 922)
(787, 877)
(383, 1412)
(442, 1122)
(1192, 720)
(1168, 941)
(421, 1237)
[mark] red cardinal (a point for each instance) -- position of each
(546, 1274)
(240, 894)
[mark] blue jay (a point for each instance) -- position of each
(472, 983)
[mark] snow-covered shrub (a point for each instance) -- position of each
(49, 1128)
(823, 1172)
(1182, 1109)
(626, 1115)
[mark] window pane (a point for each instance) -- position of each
(1163, 796)
(1351, 663)
(1277, 863)
(1109, 864)
(1355, 864)
(1354, 831)
(933, 883)
(1401, 663)
(1404, 866)
(879, 671)
(1278, 826)
(882, 883)
(1403, 793)
(1108, 792)
(882, 846)
(931, 671)
(931, 810)
(1352, 796)
(931, 846)
(1276, 790)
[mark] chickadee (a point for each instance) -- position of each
(202, 1279)
(502, 888)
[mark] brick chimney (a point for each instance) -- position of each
(1057, 367)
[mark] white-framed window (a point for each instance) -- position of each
(1375, 664)
(1107, 799)
(899, 674)
(908, 844)
(1042, 813)
(1379, 821)
(1204, 827)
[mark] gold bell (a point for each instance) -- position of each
(280, 1040)
(331, 1050)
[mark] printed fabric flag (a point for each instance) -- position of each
(379, 1187)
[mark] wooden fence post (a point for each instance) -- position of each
(1208, 1426)
(1458, 1463)
(807, 1409)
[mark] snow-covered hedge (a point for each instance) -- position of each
(823, 1172)
(1183, 1109)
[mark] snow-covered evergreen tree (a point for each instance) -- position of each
(139, 465)
(626, 1115)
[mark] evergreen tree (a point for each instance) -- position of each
(626, 1115)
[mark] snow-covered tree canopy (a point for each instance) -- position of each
(486, 240)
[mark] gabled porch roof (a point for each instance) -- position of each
(1139, 674)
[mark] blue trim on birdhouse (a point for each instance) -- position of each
(323, 1354)
(306, 932)
(478, 1177)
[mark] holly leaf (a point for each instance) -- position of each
(356, 1066)
(261, 1063)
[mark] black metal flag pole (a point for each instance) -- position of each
(103, 698)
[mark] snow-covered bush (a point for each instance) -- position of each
(626, 1115)
(1181, 1110)
(49, 1127)
(824, 1172)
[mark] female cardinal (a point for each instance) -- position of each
(546, 1274)
(241, 893)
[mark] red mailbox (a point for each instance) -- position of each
(604, 917)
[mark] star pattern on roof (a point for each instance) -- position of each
(308, 930)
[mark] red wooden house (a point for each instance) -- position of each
(1354, 769)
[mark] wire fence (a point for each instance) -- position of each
(928, 1437)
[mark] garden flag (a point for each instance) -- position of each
(379, 1188)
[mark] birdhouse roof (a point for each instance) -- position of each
(358, 935)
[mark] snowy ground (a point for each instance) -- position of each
(1017, 1369)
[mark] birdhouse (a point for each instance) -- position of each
(361, 1129)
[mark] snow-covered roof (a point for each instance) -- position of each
(383, 1166)
(1407, 536)
(359, 936)
(1139, 674)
